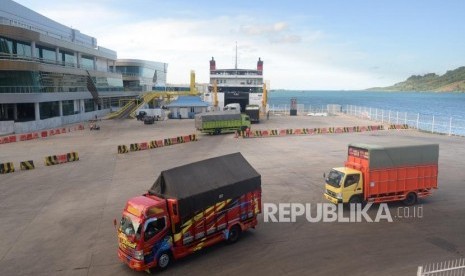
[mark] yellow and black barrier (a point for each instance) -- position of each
(312, 131)
(134, 147)
(403, 126)
(61, 158)
(72, 156)
(122, 149)
(51, 160)
(157, 143)
(7, 167)
(27, 165)
(167, 142)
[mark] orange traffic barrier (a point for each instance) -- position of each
(62, 158)
(312, 131)
(143, 146)
(157, 143)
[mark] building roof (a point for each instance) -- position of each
(188, 101)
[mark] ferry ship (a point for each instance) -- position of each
(242, 86)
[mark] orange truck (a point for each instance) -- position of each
(383, 173)
(187, 209)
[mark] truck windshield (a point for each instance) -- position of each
(130, 226)
(334, 178)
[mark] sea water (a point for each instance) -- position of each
(445, 110)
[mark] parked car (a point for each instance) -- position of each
(149, 120)
(141, 115)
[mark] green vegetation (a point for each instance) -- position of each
(453, 80)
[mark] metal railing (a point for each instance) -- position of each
(55, 89)
(429, 123)
(301, 109)
(454, 267)
(67, 64)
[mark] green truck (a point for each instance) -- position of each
(221, 122)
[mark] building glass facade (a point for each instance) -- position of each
(68, 107)
(141, 75)
(52, 70)
(49, 110)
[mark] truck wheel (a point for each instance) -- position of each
(163, 260)
(234, 234)
(243, 128)
(410, 199)
(217, 131)
(355, 199)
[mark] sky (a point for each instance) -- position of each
(305, 45)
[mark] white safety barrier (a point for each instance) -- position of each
(454, 267)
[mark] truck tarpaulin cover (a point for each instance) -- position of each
(199, 185)
(218, 116)
(228, 115)
(389, 155)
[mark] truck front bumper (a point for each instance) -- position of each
(332, 199)
(131, 262)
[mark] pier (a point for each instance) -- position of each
(58, 220)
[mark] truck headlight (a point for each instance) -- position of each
(139, 255)
(339, 195)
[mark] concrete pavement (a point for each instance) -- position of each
(58, 220)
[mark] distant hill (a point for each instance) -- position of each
(453, 80)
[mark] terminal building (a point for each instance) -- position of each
(141, 75)
(52, 75)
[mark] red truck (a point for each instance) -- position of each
(189, 208)
(382, 173)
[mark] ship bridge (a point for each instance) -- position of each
(243, 86)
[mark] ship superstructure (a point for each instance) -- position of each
(243, 86)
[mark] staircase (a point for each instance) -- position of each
(92, 88)
(129, 109)
(146, 98)
(123, 112)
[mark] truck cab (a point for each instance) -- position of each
(233, 106)
(344, 185)
(384, 173)
(144, 239)
(181, 215)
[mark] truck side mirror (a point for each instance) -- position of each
(324, 175)
(114, 223)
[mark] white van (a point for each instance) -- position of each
(233, 106)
